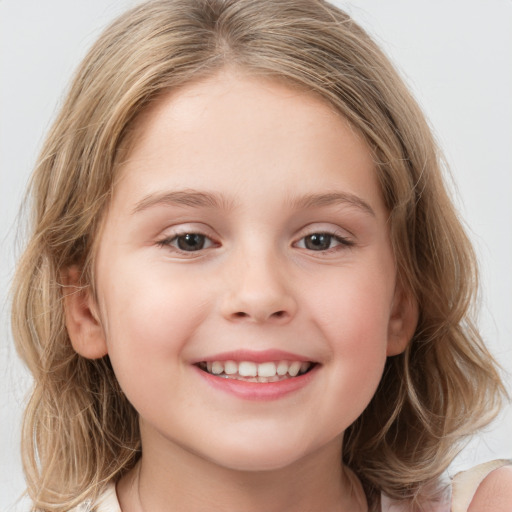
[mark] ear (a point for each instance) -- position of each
(81, 313)
(402, 322)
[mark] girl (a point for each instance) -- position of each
(246, 287)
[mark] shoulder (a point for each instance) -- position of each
(494, 494)
(483, 487)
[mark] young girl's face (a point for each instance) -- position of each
(247, 233)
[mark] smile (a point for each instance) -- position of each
(249, 371)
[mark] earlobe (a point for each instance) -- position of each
(402, 322)
(82, 320)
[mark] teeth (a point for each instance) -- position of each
(253, 372)
(294, 368)
(217, 368)
(247, 369)
(266, 370)
(230, 367)
(282, 368)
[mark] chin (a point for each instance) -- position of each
(257, 455)
(248, 462)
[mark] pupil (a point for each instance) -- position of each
(191, 242)
(318, 242)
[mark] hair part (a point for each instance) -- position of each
(79, 429)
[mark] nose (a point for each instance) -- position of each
(258, 291)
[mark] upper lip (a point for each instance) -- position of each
(255, 356)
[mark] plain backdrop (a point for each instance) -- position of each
(457, 57)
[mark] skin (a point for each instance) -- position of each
(494, 493)
(260, 147)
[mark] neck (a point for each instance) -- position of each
(176, 479)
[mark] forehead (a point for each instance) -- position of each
(233, 128)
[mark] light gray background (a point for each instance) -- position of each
(456, 55)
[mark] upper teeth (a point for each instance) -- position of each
(251, 369)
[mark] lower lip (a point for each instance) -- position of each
(259, 390)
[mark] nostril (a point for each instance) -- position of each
(276, 315)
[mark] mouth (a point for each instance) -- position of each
(250, 371)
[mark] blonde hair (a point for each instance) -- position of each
(79, 430)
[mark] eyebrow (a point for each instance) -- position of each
(198, 199)
(330, 199)
(188, 197)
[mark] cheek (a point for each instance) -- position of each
(353, 308)
(353, 318)
(150, 315)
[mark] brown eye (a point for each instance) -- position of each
(183, 243)
(318, 241)
(190, 242)
(323, 242)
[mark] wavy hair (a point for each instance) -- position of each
(79, 429)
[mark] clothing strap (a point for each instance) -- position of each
(465, 483)
(108, 501)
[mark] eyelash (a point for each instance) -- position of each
(168, 241)
(342, 242)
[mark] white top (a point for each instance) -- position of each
(463, 488)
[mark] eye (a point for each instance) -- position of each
(188, 242)
(322, 242)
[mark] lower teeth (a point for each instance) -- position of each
(276, 378)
